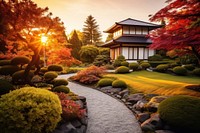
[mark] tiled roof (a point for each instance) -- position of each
(129, 40)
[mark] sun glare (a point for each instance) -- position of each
(44, 39)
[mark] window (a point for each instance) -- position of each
(141, 53)
(132, 30)
(135, 53)
(130, 53)
(126, 30)
(144, 30)
(138, 30)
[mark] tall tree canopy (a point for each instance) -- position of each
(25, 23)
(182, 29)
(75, 45)
(91, 31)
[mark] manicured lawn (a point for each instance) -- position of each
(159, 83)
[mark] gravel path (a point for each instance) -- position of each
(106, 114)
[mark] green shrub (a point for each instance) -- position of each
(50, 75)
(189, 67)
(101, 60)
(61, 88)
(134, 66)
(119, 84)
(196, 71)
(58, 82)
(173, 64)
(8, 69)
(155, 57)
(19, 77)
(55, 68)
(5, 62)
(179, 70)
(5, 87)
(109, 67)
(88, 53)
(145, 65)
(72, 70)
(125, 63)
(181, 112)
(162, 68)
(117, 63)
(121, 58)
(105, 82)
(20, 60)
(29, 110)
(122, 69)
(43, 70)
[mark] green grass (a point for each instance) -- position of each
(159, 83)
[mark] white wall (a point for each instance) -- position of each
(125, 52)
(151, 52)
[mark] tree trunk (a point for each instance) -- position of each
(194, 50)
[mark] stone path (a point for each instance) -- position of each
(105, 114)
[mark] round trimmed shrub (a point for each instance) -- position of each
(119, 84)
(109, 67)
(5, 62)
(20, 60)
(105, 82)
(145, 65)
(180, 70)
(50, 75)
(189, 67)
(19, 76)
(181, 112)
(43, 70)
(55, 68)
(5, 87)
(155, 57)
(134, 66)
(196, 71)
(162, 67)
(29, 110)
(8, 69)
(58, 82)
(124, 63)
(122, 69)
(117, 63)
(61, 88)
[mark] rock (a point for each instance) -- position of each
(76, 123)
(149, 96)
(118, 96)
(124, 93)
(152, 105)
(114, 90)
(106, 88)
(164, 131)
(82, 129)
(36, 79)
(134, 98)
(84, 120)
(80, 103)
(143, 117)
(153, 123)
(65, 128)
(82, 98)
(140, 105)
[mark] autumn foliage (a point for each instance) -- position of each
(89, 75)
(182, 27)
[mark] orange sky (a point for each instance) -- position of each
(106, 12)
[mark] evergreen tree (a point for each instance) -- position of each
(75, 45)
(91, 31)
(109, 37)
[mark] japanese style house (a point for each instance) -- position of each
(130, 39)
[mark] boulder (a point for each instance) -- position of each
(140, 105)
(82, 98)
(153, 123)
(76, 123)
(124, 93)
(152, 105)
(65, 128)
(134, 98)
(164, 131)
(142, 117)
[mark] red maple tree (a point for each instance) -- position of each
(182, 29)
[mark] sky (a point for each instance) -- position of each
(106, 12)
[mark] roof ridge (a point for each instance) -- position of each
(137, 21)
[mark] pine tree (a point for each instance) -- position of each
(75, 45)
(91, 31)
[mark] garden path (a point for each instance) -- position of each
(105, 114)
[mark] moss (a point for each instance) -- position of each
(50, 75)
(19, 76)
(145, 65)
(189, 67)
(162, 67)
(134, 66)
(61, 88)
(8, 69)
(58, 82)
(105, 82)
(5, 62)
(20, 60)
(125, 63)
(119, 84)
(55, 68)
(181, 112)
(196, 71)
(179, 70)
(122, 69)
(29, 110)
